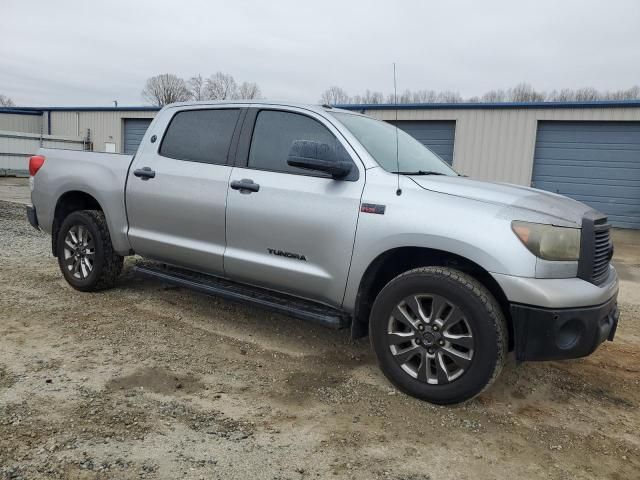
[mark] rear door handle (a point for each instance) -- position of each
(245, 185)
(145, 173)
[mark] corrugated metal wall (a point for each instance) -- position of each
(498, 144)
(106, 127)
(13, 122)
(17, 147)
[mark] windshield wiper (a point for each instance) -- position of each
(420, 172)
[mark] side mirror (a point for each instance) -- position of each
(319, 157)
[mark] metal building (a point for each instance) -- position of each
(587, 150)
(102, 129)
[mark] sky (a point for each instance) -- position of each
(89, 53)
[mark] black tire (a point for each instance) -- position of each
(106, 265)
(477, 311)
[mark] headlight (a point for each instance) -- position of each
(547, 241)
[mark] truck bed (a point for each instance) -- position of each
(100, 175)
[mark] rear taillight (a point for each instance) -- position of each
(35, 163)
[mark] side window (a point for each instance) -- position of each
(200, 135)
(275, 132)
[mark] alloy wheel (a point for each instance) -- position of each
(79, 252)
(430, 338)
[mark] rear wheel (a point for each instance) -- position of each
(85, 254)
(438, 334)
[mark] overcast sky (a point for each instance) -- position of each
(92, 52)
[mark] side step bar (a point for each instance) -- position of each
(281, 303)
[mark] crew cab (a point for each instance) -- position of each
(342, 220)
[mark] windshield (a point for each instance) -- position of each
(379, 138)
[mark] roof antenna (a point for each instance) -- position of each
(395, 99)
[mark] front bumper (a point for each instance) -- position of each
(560, 318)
(32, 216)
(554, 334)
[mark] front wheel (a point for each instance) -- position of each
(438, 334)
(85, 253)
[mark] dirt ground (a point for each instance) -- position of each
(150, 381)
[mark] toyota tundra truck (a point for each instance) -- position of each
(342, 220)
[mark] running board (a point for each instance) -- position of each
(277, 302)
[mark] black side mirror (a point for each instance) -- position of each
(319, 157)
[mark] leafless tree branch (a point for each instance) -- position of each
(6, 101)
(523, 92)
(164, 89)
(220, 86)
(196, 88)
(248, 91)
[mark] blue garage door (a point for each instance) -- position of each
(597, 163)
(134, 130)
(438, 136)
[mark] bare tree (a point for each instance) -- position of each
(449, 97)
(6, 101)
(196, 88)
(587, 94)
(424, 96)
(221, 86)
(368, 98)
(164, 89)
(334, 95)
(248, 91)
(523, 92)
(373, 98)
(393, 98)
(632, 93)
(563, 95)
(494, 96)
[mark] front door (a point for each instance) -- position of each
(177, 189)
(290, 230)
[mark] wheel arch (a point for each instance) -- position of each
(67, 203)
(395, 261)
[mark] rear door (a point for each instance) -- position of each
(177, 188)
(294, 231)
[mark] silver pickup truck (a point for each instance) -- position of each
(342, 220)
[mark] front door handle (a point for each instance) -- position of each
(145, 173)
(245, 185)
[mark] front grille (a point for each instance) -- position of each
(601, 254)
(596, 249)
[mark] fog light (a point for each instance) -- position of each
(569, 334)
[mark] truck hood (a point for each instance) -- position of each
(520, 203)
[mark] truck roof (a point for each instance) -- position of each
(283, 103)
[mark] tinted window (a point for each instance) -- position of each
(200, 136)
(275, 132)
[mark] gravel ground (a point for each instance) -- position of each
(150, 381)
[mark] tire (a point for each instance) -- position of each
(438, 335)
(85, 253)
